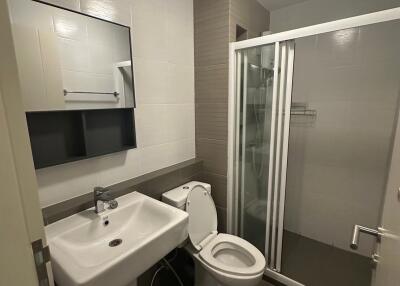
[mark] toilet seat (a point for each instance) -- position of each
(222, 252)
(202, 216)
(234, 255)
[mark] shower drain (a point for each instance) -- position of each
(115, 242)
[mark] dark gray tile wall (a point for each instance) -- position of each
(214, 24)
(152, 184)
(211, 38)
(249, 15)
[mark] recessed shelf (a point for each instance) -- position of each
(108, 131)
(59, 137)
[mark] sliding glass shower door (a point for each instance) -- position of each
(263, 92)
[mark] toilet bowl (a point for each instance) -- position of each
(220, 259)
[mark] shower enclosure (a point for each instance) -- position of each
(312, 118)
(265, 92)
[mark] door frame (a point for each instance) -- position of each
(233, 132)
(21, 192)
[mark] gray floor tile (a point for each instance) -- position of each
(317, 264)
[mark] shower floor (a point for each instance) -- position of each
(317, 264)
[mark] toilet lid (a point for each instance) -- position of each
(202, 215)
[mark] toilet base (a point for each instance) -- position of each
(203, 275)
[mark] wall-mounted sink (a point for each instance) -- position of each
(116, 246)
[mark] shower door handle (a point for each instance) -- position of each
(356, 234)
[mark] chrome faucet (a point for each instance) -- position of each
(101, 196)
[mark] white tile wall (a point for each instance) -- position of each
(150, 23)
(162, 35)
(70, 4)
(71, 26)
(116, 10)
(338, 163)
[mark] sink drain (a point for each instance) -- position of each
(115, 242)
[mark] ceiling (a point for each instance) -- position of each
(277, 4)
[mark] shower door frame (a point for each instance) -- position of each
(233, 108)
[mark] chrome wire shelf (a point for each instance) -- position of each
(306, 112)
(301, 109)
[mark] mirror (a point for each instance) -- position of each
(67, 60)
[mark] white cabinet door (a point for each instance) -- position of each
(21, 221)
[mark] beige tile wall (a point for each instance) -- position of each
(215, 26)
(163, 51)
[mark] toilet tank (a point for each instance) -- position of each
(177, 197)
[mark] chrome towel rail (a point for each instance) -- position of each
(90, 92)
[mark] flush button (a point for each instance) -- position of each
(185, 187)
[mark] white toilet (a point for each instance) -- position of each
(220, 259)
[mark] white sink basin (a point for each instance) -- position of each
(79, 244)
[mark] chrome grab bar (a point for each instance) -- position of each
(356, 234)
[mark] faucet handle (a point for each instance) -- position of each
(102, 194)
(99, 190)
(113, 204)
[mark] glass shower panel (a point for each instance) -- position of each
(256, 75)
(264, 104)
